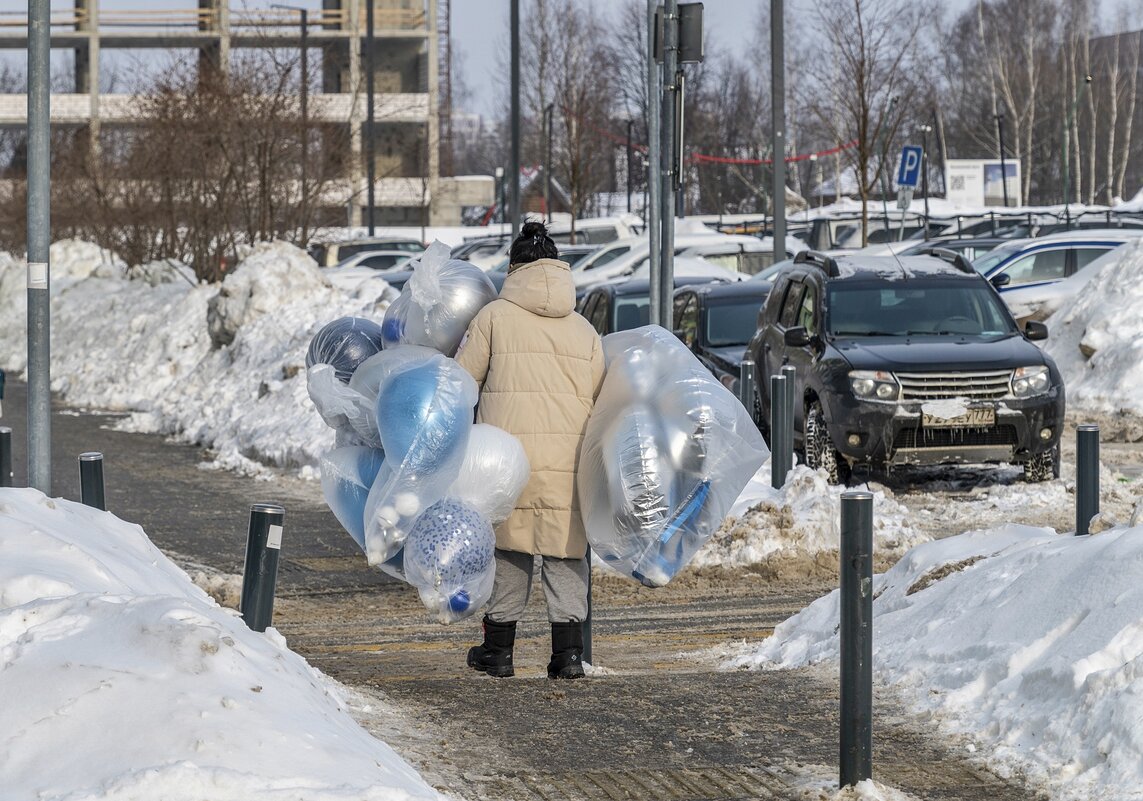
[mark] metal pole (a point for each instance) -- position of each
(1087, 476)
(1003, 163)
(91, 480)
(305, 122)
(790, 373)
(370, 157)
(925, 173)
(514, 168)
(856, 637)
(778, 123)
(5, 456)
(630, 125)
(548, 114)
(260, 569)
(780, 422)
(668, 156)
(39, 239)
(653, 209)
(746, 385)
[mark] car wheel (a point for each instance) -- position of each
(1043, 466)
(820, 452)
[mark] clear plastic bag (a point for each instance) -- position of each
(449, 558)
(344, 344)
(346, 476)
(437, 302)
(494, 473)
(424, 416)
(667, 451)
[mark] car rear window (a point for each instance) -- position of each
(731, 323)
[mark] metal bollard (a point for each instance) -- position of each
(1087, 476)
(5, 456)
(746, 385)
(587, 620)
(91, 480)
(791, 374)
(260, 571)
(780, 423)
(856, 637)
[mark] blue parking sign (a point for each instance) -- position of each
(909, 171)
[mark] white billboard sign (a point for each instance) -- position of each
(977, 182)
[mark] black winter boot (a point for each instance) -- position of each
(567, 651)
(494, 655)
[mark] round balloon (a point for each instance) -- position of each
(345, 343)
(417, 406)
(450, 559)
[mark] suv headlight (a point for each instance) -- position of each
(874, 385)
(1027, 382)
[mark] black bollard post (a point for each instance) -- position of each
(780, 423)
(587, 620)
(791, 374)
(746, 385)
(1087, 476)
(5, 456)
(260, 571)
(856, 637)
(91, 480)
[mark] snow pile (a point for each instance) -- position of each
(1097, 336)
(799, 522)
(1027, 642)
(155, 690)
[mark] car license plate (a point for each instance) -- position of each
(972, 418)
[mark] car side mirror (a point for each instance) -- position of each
(798, 337)
(1004, 279)
(1035, 331)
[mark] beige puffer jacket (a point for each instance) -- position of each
(539, 366)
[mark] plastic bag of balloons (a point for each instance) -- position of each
(667, 451)
(494, 472)
(449, 558)
(437, 302)
(424, 414)
(347, 473)
(335, 354)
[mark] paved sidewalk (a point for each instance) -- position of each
(655, 722)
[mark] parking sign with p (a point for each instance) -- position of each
(909, 171)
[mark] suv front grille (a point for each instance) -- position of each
(984, 385)
(953, 437)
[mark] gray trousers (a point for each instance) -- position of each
(564, 580)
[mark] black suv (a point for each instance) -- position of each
(906, 360)
(716, 321)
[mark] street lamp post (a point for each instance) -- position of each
(925, 173)
(630, 127)
(548, 109)
(305, 110)
(1003, 163)
(1067, 144)
(370, 156)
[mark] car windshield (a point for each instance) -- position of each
(731, 322)
(932, 308)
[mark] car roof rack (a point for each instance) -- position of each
(951, 256)
(818, 258)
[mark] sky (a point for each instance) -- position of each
(1029, 654)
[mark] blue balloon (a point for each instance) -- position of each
(346, 476)
(415, 408)
(460, 602)
(345, 343)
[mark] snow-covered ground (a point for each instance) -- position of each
(224, 367)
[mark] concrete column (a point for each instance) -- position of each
(216, 55)
(357, 111)
(87, 69)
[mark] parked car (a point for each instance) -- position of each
(907, 360)
(971, 249)
(485, 252)
(716, 321)
(377, 260)
(1025, 263)
(624, 256)
(329, 254)
(1040, 301)
(623, 305)
(572, 254)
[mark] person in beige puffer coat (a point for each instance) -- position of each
(539, 366)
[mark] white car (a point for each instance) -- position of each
(622, 257)
(1040, 301)
(377, 260)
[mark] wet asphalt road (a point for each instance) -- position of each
(655, 722)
